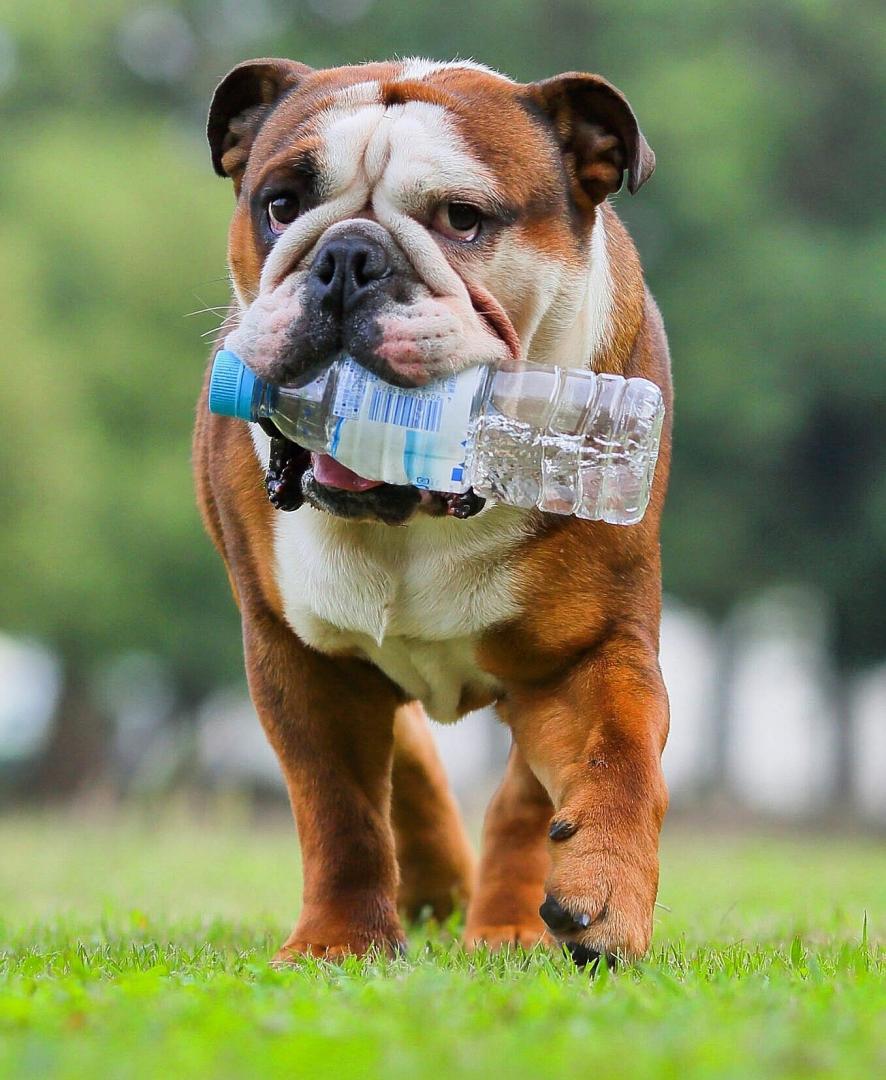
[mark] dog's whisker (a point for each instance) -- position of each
(203, 311)
(222, 327)
(229, 318)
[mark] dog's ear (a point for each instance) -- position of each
(598, 134)
(240, 102)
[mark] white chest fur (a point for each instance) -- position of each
(412, 599)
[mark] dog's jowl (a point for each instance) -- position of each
(423, 217)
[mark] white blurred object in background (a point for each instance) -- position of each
(690, 654)
(231, 744)
(868, 744)
(474, 752)
(782, 736)
(30, 683)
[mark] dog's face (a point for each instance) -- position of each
(421, 217)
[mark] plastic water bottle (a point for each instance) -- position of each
(562, 440)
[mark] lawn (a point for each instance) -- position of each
(138, 947)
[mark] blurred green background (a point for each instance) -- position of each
(761, 234)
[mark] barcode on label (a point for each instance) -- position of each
(418, 413)
(351, 388)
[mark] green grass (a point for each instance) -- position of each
(136, 949)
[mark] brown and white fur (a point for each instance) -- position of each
(362, 610)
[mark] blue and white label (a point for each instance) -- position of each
(404, 436)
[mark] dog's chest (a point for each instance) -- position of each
(412, 599)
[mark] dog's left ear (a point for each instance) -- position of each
(598, 134)
(239, 105)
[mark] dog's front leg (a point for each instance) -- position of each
(504, 909)
(594, 738)
(330, 720)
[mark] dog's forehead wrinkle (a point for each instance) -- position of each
(413, 148)
(378, 149)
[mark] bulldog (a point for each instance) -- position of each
(423, 217)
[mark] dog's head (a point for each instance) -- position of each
(421, 217)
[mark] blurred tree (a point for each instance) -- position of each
(761, 232)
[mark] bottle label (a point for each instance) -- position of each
(404, 436)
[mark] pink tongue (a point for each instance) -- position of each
(332, 473)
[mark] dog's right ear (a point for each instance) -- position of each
(239, 105)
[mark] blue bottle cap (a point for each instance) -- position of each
(232, 386)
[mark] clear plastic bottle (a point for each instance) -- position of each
(563, 440)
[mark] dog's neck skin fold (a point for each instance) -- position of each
(587, 339)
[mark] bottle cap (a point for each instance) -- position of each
(232, 386)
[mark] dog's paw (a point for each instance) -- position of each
(504, 911)
(368, 923)
(508, 936)
(359, 945)
(600, 902)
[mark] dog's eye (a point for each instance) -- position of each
(458, 221)
(282, 211)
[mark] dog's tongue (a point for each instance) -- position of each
(332, 473)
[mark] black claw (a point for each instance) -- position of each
(562, 830)
(560, 920)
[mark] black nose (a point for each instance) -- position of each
(345, 269)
